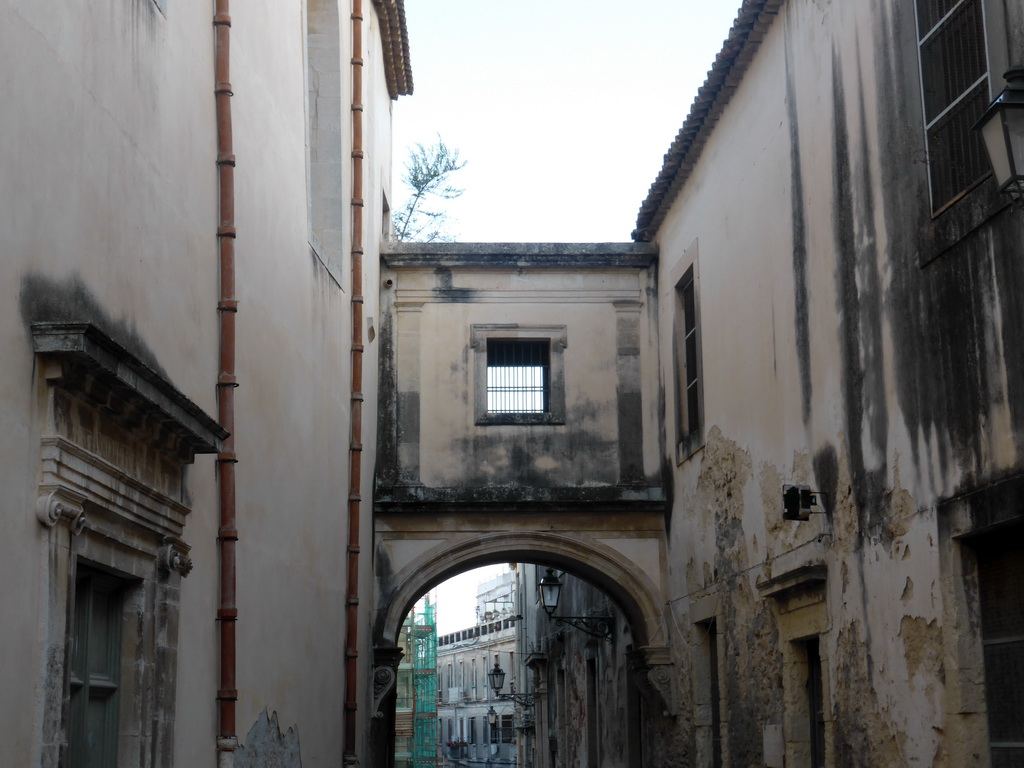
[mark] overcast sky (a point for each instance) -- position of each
(456, 598)
(563, 109)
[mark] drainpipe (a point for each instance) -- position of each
(355, 444)
(227, 308)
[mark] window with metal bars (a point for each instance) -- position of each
(955, 91)
(518, 376)
(519, 373)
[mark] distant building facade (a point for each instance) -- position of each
(465, 735)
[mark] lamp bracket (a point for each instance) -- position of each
(522, 699)
(596, 626)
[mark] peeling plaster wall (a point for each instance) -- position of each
(265, 746)
(851, 344)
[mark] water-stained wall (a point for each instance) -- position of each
(597, 442)
(855, 343)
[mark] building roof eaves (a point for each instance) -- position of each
(394, 36)
(747, 32)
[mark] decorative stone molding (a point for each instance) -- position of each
(60, 505)
(385, 675)
(173, 556)
(78, 475)
(802, 568)
(384, 679)
(519, 255)
(88, 361)
(660, 679)
(652, 667)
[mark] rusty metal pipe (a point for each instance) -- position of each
(356, 400)
(227, 308)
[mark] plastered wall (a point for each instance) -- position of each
(110, 217)
(847, 348)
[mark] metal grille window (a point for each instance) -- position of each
(519, 373)
(954, 85)
(518, 376)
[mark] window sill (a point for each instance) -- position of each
(960, 218)
(688, 449)
(519, 419)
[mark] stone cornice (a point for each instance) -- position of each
(505, 500)
(92, 363)
(520, 255)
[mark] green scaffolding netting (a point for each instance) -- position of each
(416, 705)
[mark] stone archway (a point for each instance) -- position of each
(626, 581)
(622, 555)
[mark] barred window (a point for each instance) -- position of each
(954, 87)
(518, 375)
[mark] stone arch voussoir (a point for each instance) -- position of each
(623, 580)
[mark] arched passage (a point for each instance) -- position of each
(621, 555)
(607, 568)
(410, 561)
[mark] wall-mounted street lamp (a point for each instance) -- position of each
(797, 501)
(492, 717)
(1002, 128)
(551, 590)
(496, 678)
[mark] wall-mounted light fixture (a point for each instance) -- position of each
(550, 589)
(1002, 128)
(797, 501)
(496, 678)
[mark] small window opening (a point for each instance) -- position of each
(689, 394)
(518, 376)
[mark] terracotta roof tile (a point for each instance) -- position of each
(394, 36)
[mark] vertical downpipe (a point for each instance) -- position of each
(227, 308)
(355, 444)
